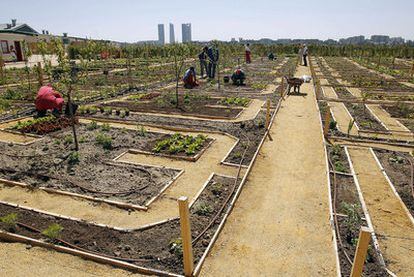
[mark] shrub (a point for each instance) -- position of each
(53, 231)
(10, 220)
(104, 140)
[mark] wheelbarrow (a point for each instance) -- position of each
(295, 83)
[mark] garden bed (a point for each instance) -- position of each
(398, 169)
(158, 247)
(43, 125)
(363, 117)
(189, 105)
(350, 216)
(51, 163)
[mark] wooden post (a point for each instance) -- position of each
(412, 70)
(282, 87)
(361, 251)
(186, 235)
(40, 74)
(1, 67)
(267, 113)
(327, 122)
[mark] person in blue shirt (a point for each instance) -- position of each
(213, 57)
(190, 79)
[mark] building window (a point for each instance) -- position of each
(4, 46)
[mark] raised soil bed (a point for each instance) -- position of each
(157, 247)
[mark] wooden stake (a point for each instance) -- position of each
(40, 74)
(282, 87)
(327, 122)
(267, 113)
(1, 68)
(412, 70)
(361, 251)
(186, 235)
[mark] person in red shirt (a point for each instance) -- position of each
(48, 99)
(248, 53)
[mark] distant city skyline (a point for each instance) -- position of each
(134, 21)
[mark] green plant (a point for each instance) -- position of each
(353, 220)
(203, 209)
(105, 127)
(73, 158)
(178, 143)
(339, 166)
(93, 125)
(104, 140)
(332, 124)
(108, 110)
(68, 139)
(217, 189)
(53, 231)
(141, 131)
(234, 101)
(176, 247)
(10, 220)
(82, 139)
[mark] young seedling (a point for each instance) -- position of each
(353, 220)
(53, 231)
(68, 139)
(104, 140)
(217, 189)
(141, 131)
(176, 247)
(73, 158)
(105, 127)
(203, 209)
(93, 125)
(10, 220)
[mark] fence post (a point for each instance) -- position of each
(186, 235)
(327, 122)
(1, 68)
(412, 70)
(361, 251)
(40, 74)
(267, 113)
(282, 87)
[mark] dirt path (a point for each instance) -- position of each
(15, 259)
(272, 228)
(392, 224)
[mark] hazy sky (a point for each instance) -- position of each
(129, 20)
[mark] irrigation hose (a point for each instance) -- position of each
(228, 197)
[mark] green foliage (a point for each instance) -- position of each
(339, 166)
(23, 124)
(259, 86)
(203, 209)
(53, 231)
(105, 127)
(332, 124)
(68, 139)
(217, 189)
(10, 220)
(179, 143)
(234, 101)
(73, 158)
(176, 247)
(141, 130)
(353, 221)
(104, 140)
(93, 125)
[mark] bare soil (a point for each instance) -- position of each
(363, 117)
(149, 248)
(346, 195)
(50, 163)
(398, 169)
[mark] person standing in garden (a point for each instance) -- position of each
(248, 53)
(213, 57)
(305, 55)
(202, 57)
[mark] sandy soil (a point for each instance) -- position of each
(272, 228)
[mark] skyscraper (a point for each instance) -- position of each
(186, 31)
(172, 35)
(161, 34)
